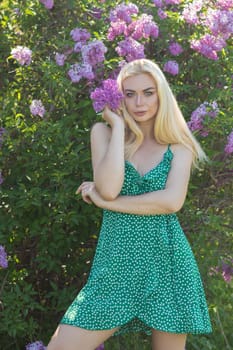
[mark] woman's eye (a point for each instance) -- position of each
(129, 94)
(148, 93)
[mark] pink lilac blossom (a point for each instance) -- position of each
(3, 254)
(226, 270)
(144, 27)
(219, 22)
(175, 49)
(123, 12)
(37, 108)
(130, 49)
(171, 67)
(107, 95)
(78, 47)
(60, 59)
(80, 34)
(48, 4)
(190, 12)
(208, 46)
(22, 54)
(224, 4)
(229, 146)
(162, 14)
(38, 345)
(197, 121)
(117, 28)
(93, 53)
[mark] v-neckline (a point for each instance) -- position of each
(154, 167)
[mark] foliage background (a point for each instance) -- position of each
(50, 234)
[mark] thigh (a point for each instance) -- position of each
(168, 341)
(74, 338)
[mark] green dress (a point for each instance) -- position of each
(144, 274)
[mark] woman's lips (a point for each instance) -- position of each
(140, 113)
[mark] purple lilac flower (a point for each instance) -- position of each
(3, 254)
(227, 272)
(172, 2)
(117, 28)
(162, 14)
(38, 345)
(224, 4)
(107, 94)
(158, 3)
(37, 108)
(208, 46)
(175, 49)
(130, 49)
(123, 12)
(80, 34)
(93, 53)
(48, 4)
(79, 71)
(1, 178)
(229, 146)
(190, 12)
(220, 22)
(171, 67)
(2, 132)
(100, 347)
(22, 54)
(197, 121)
(144, 27)
(60, 59)
(95, 12)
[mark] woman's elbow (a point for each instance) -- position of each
(108, 194)
(174, 206)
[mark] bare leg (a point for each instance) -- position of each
(168, 341)
(74, 338)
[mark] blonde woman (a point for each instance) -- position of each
(144, 276)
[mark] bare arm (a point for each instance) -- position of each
(165, 201)
(107, 148)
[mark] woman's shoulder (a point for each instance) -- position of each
(180, 151)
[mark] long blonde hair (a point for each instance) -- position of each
(170, 126)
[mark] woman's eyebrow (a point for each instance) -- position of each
(149, 88)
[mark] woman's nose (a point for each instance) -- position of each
(139, 100)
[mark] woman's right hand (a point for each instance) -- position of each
(112, 117)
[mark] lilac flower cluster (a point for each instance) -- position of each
(92, 53)
(208, 46)
(100, 347)
(171, 67)
(2, 132)
(217, 24)
(37, 108)
(175, 49)
(38, 345)
(122, 23)
(22, 54)
(198, 117)
(130, 49)
(226, 270)
(164, 3)
(229, 146)
(107, 95)
(48, 4)
(123, 12)
(3, 258)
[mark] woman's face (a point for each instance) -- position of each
(141, 97)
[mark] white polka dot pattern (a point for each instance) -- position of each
(144, 274)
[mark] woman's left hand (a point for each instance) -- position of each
(89, 193)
